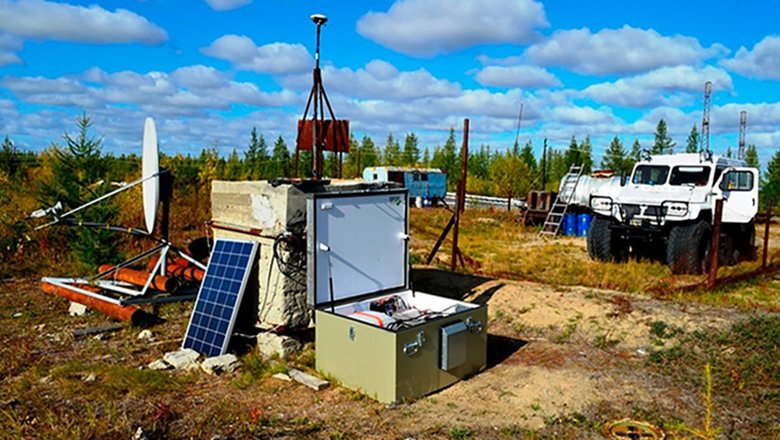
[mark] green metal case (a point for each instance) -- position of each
(358, 254)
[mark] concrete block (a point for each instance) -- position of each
(77, 309)
(182, 359)
(270, 344)
(227, 363)
(145, 335)
(159, 364)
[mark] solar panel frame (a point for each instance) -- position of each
(219, 297)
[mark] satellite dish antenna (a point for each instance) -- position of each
(150, 172)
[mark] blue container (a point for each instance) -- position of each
(570, 225)
(583, 224)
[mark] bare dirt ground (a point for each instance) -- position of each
(562, 362)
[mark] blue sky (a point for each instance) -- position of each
(209, 71)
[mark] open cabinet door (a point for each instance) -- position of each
(739, 189)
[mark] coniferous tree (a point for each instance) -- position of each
(692, 144)
(479, 162)
(586, 155)
(771, 188)
(447, 160)
(527, 155)
(79, 176)
(663, 143)
(352, 168)
(392, 151)
(751, 157)
(572, 155)
(369, 156)
(411, 153)
(305, 164)
(729, 153)
(9, 158)
(426, 159)
(280, 159)
(234, 169)
(256, 156)
(615, 157)
(634, 156)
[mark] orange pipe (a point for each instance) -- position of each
(122, 313)
(139, 278)
(181, 268)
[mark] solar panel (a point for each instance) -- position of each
(219, 296)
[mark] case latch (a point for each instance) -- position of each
(412, 348)
(473, 325)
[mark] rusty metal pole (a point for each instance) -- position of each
(460, 201)
(766, 234)
(464, 163)
(712, 278)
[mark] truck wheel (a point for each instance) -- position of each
(745, 243)
(688, 248)
(603, 244)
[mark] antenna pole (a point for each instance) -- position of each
(519, 121)
(705, 118)
(742, 127)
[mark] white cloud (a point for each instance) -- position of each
(192, 90)
(517, 76)
(667, 86)
(763, 61)
(40, 19)
(430, 27)
(577, 115)
(274, 58)
(9, 45)
(225, 5)
(377, 80)
(618, 51)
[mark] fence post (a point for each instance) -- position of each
(766, 234)
(460, 201)
(712, 278)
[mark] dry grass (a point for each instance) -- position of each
(496, 244)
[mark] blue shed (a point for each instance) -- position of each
(421, 182)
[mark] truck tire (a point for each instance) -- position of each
(745, 242)
(603, 243)
(687, 248)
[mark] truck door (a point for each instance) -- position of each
(739, 189)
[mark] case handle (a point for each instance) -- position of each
(412, 348)
(473, 325)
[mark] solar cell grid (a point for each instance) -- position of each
(219, 297)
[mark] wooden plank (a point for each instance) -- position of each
(310, 381)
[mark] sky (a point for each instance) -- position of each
(208, 71)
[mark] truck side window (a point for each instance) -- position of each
(737, 181)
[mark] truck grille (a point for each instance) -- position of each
(629, 211)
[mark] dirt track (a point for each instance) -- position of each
(562, 361)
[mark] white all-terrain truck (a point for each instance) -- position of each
(665, 211)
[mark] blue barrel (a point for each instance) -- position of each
(570, 224)
(583, 224)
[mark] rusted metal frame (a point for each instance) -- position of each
(765, 253)
(712, 279)
(461, 197)
(441, 239)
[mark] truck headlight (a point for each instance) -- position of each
(600, 203)
(676, 209)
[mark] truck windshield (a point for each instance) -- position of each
(696, 175)
(650, 174)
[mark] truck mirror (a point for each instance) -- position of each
(623, 178)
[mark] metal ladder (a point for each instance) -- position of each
(558, 210)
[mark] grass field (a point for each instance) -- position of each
(573, 344)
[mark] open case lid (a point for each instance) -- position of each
(357, 244)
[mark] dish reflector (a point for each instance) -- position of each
(150, 167)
